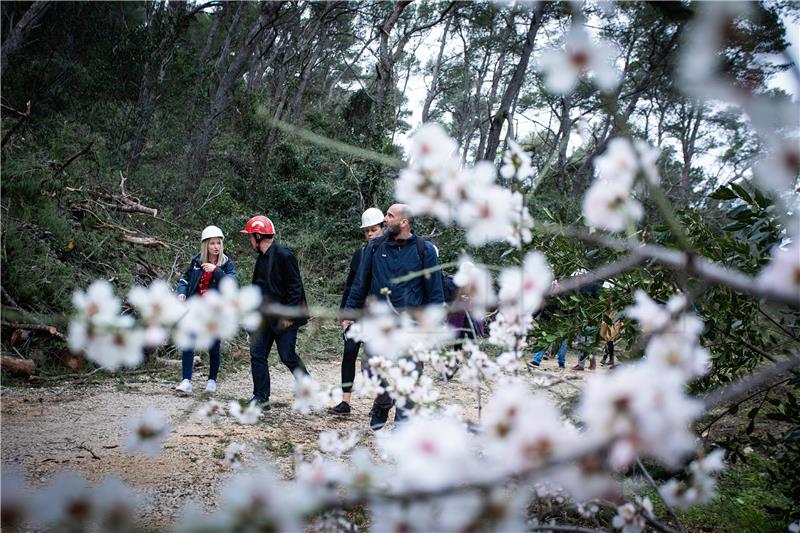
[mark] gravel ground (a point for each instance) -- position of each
(81, 428)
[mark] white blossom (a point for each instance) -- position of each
(644, 409)
(258, 501)
(234, 454)
(97, 304)
(157, 304)
(66, 503)
(516, 161)
(650, 315)
(522, 289)
(782, 274)
(146, 433)
(211, 411)
(700, 487)
(335, 444)
(610, 206)
(562, 68)
(430, 453)
(15, 504)
(475, 285)
(676, 352)
(245, 414)
(117, 505)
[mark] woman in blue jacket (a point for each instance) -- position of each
(205, 272)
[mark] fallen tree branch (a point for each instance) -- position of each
(19, 367)
(83, 151)
(36, 327)
(23, 118)
(144, 241)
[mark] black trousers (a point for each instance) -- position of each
(260, 345)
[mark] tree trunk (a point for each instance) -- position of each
(18, 37)
(511, 92)
(203, 59)
(386, 58)
(172, 19)
(426, 107)
(19, 367)
(205, 132)
(305, 74)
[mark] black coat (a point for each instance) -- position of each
(277, 274)
(190, 280)
(351, 275)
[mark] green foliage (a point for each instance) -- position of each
(745, 496)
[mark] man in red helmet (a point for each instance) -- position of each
(277, 274)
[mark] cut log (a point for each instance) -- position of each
(18, 367)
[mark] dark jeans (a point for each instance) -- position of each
(349, 362)
(187, 360)
(260, 346)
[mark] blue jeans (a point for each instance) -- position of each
(260, 346)
(562, 355)
(214, 358)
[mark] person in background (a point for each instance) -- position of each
(397, 253)
(277, 274)
(205, 272)
(609, 332)
(372, 226)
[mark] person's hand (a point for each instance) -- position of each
(285, 323)
(182, 297)
(209, 267)
(346, 324)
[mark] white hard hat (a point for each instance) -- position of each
(371, 217)
(211, 231)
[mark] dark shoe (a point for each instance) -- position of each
(533, 364)
(378, 417)
(400, 416)
(260, 402)
(577, 368)
(342, 409)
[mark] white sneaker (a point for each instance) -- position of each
(185, 387)
(211, 386)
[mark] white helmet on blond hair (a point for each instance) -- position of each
(371, 217)
(211, 231)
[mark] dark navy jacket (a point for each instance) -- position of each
(384, 259)
(351, 275)
(277, 274)
(190, 280)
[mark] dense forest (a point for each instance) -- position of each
(127, 127)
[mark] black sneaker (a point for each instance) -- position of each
(400, 416)
(342, 409)
(260, 402)
(533, 364)
(378, 417)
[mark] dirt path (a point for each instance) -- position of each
(82, 427)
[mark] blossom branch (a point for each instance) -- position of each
(655, 487)
(676, 260)
(743, 386)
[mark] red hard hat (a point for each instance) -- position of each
(259, 224)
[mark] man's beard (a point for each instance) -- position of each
(391, 231)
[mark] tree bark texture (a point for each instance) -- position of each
(511, 92)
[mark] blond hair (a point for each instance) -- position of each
(221, 260)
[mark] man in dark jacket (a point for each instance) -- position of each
(395, 254)
(277, 274)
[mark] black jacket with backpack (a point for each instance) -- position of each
(384, 259)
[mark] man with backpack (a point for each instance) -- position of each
(397, 253)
